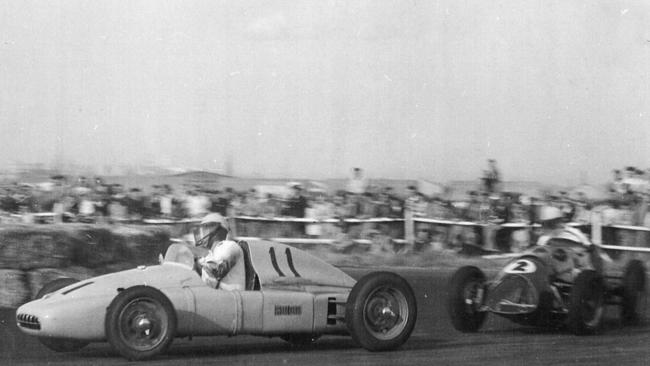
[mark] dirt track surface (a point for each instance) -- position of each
(434, 342)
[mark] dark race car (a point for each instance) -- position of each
(560, 284)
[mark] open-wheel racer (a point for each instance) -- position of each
(555, 284)
(288, 293)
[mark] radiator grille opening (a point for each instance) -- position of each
(28, 321)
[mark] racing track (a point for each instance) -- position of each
(434, 342)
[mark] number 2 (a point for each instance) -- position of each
(521, 266)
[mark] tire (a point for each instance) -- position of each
(633, 292)
(300, 340)
(380, 312)
(586, 303)
(59, 344)
(466, 292)
(140, 323)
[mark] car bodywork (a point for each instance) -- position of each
(288, 292)
(304, 299)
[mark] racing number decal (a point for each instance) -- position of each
(520, 266)
(290, 261)
(274, 262)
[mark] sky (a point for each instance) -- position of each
(555, 91)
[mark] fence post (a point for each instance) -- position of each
(233, 227)
(488, 236)
(409, 227)
(596, 228)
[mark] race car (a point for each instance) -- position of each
(289, 293)
(555, 285)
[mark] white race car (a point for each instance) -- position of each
(289, 293)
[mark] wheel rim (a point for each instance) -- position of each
(143, 324)
(386, 313)
(471, 296)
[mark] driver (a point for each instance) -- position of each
(553, 226)
(223, 266)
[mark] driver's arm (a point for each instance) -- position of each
(219, 261)
(218, 269)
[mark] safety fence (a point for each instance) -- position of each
(416, 233)
(420, 233)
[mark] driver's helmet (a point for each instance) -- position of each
(550, 213)
(210, 225)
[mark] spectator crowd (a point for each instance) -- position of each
(84, 200)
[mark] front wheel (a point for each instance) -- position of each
(586, 303)
(466, 291)
(140, 323)
(380, 311)
(59, 344)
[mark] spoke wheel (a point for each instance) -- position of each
(466, 294)
(587, 303)
(140, 323)
(381, 311)
(385, 312)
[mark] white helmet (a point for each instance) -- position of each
(217, 219)
(208, 230)
(548, 213)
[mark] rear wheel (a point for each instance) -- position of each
(586, 303)
(59, 344)
(380, 312)
(633, 292)
(140, 323)
(466, 292)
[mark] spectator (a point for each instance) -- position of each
(250, 205)
(117, 211)
(415, 202)
(166, 201)
(269, 206)
(237, 203)
(491, 177)
(436, 209)
(320, 209)
(352, 205)
(357, 183)
(473, 210)
(134, 204)
(422, 240)
(396, 207)
(367, 206)
(616, 185)
(196, 204)
(219, 203)
(566, 206)
(297, 203)
(383, 208)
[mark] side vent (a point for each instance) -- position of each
(331, 311)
